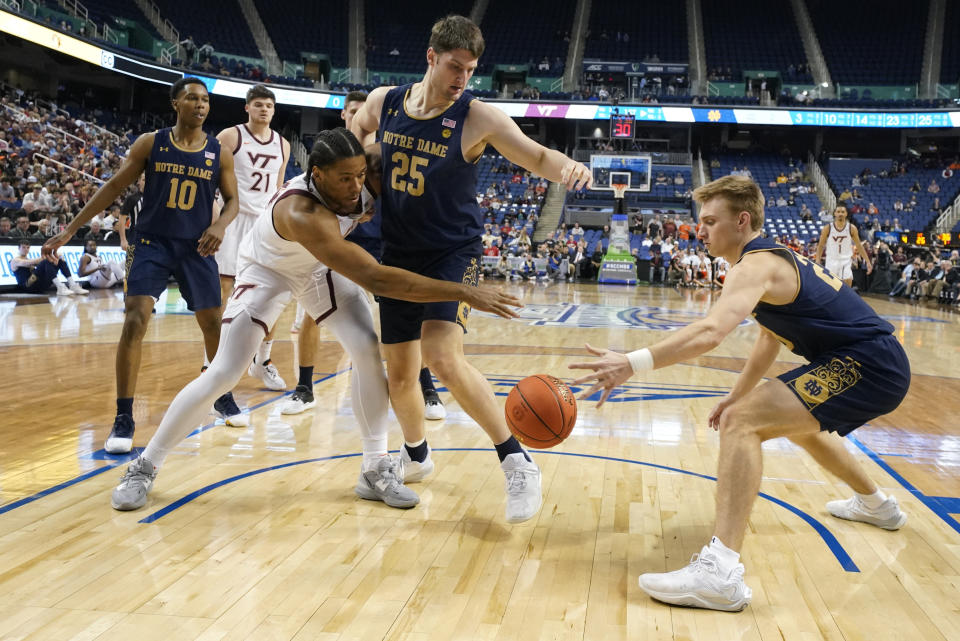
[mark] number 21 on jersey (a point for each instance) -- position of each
(406, 175)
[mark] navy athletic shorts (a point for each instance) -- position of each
(854, 384)
(400, 320)
(155, 258)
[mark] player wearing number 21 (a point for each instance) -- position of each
(857, 370)
(184, 167)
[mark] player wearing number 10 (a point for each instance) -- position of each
(856, 371)
(175, 235)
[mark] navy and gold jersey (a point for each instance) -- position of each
(429, 194)
(179, 188)
(824, 315)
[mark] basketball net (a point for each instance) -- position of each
(619, 189)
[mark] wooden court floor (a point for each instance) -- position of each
(256, 534)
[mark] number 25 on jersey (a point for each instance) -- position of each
(406, 175)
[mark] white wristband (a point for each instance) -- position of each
(640, 360)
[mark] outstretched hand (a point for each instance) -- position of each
(49, 249)
(609, 371)
(489, 299)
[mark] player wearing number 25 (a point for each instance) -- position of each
(175, 235)
(857, 370)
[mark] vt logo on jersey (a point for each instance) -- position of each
(263, 159)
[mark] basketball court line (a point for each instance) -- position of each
(938, 505)
(831, 541)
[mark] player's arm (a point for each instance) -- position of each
(133, 165)
(821, 244)
(499, 129)
(122, 221)
(762, 356)
(859, 247)
(745, 285)
(85, 269)
(286, 158)
(318, 230)
(210, 241)
(367, 119)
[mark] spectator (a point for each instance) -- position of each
(22, 229)
(43, 230)
(94, 234)
(7, 192)
(189, 50)
(899, 257)
(653, 229)
(845, 195)
(781, 201)
(675, 272)
(720, 267)
(5, 227)
(36, 275)
(898, 205)
(576, 232)
(933, 187)
(206, 52)
(906, 278)
(579, 263)
(669, 228)
(37, 199)
(678, 179)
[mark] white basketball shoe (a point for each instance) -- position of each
(702, 584)
(888, 516)
(524, 497)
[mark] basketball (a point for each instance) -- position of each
(541, 411)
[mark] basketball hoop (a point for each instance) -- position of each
(619, 189)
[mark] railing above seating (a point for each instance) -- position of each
(69, 168)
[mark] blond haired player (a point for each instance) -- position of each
(857, 370)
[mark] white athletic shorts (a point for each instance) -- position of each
(264, 294)
(230, 247)
(840, 268)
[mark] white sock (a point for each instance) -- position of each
(371, 459)
(263, 353)
(873, 501)
(727, 557)
(417, 444)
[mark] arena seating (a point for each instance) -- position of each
(494, 168)
(221, 24)
(883, 192)
(653, 29)
(104, 11)
(880, 43)
(765, 168)
(759, 35)
(406, 27)
(526, 32)
(318, 27)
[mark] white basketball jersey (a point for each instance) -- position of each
(95, 261)
(264, 246)
(839, 243)
(256, 165)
